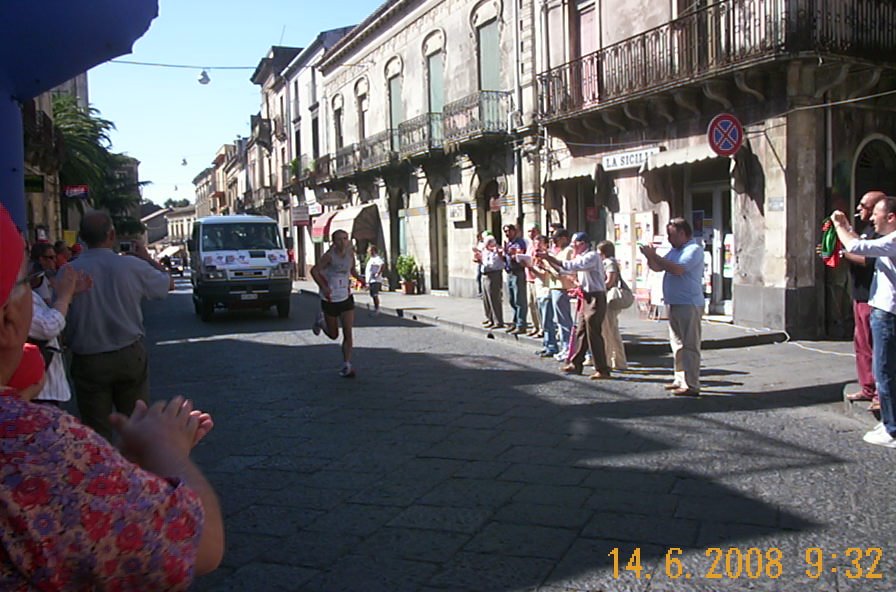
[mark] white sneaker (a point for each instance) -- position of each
(880, 438)
(561, 357)
(347, 371)
(318, 323)
(878, 428)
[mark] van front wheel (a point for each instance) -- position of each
(206, 309)
(283, 309)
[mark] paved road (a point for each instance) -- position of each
(456, 462)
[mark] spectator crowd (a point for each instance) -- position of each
(111, 502)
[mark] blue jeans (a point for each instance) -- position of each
(562, 316)
(549, 342)
(883, 335)
(516, 292)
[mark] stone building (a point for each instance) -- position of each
(180, 224)
(428, 119)
(306, 144)
(628, 90)
(203, 184)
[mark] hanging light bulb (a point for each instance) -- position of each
(203, 78)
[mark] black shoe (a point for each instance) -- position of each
(547, 354)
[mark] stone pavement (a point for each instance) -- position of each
(641, 335)
(455, 462)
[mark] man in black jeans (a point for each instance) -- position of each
(516, 279)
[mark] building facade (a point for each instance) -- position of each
(428, 130)
(628, 91)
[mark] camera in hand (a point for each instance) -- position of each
(125, 246)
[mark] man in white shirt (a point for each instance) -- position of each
(373, 273)
(589, 268)
(883, 303)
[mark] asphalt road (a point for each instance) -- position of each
(454, 462)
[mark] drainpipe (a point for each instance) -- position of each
(518, 110)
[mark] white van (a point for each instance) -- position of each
(238, 262)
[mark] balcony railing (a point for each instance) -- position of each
(420, 135)
(279, 124)
(261, 131)
(725, 36)
(306, 167)
(347, 161)
(481, 113)
(376, 151)
(323, 168)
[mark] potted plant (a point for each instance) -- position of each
(406, 267)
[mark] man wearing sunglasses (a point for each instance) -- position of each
(43, 258)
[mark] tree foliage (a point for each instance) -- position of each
(88, 160)
(176, 203)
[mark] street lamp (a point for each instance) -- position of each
(203, 78)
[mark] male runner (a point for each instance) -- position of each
(332, 274)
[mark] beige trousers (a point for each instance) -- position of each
(613, 341)
(684, 335)
(534, 311)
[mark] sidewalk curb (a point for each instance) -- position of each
(652, 346)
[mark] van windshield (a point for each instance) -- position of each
(240, 237)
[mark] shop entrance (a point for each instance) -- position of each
(708, 210)
(438, 233)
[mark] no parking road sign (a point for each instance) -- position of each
(725, 134)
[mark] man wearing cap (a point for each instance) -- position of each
(76, 513)
(532, 231)
(683, 297)
(516, 279)
(105, 325)
(589, 269)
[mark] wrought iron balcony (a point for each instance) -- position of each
(279, 124)
(420, 135)
(726, 36)
(323, 168)
(481, 113)
(43, 145)
(305, 167)
(376, 151)
(261, 131)
(347, 160)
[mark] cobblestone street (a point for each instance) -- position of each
(455, 462)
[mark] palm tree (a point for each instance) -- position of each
(88, 160)
(86, 142)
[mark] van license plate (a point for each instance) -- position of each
(249, 296)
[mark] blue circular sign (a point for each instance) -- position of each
(725, 134)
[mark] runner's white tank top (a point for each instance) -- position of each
(337, 274)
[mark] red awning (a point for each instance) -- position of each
(320, 228)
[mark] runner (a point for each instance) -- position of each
(374, 276)
(332, 275)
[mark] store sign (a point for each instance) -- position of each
(457, 212)
(627, 160)
(300, 216)
(76, 191)
(333, 198)
(315, 209)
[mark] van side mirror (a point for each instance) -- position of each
(191, 245)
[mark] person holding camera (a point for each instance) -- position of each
(105, 329)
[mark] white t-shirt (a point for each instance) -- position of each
(373, 273)
(883, 287)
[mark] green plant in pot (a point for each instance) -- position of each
(406, 266)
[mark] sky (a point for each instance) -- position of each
(163, 116)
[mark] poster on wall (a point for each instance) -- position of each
(697, 223)
(728, 260)
(644, 229)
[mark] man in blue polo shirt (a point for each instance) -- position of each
(683, 296)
